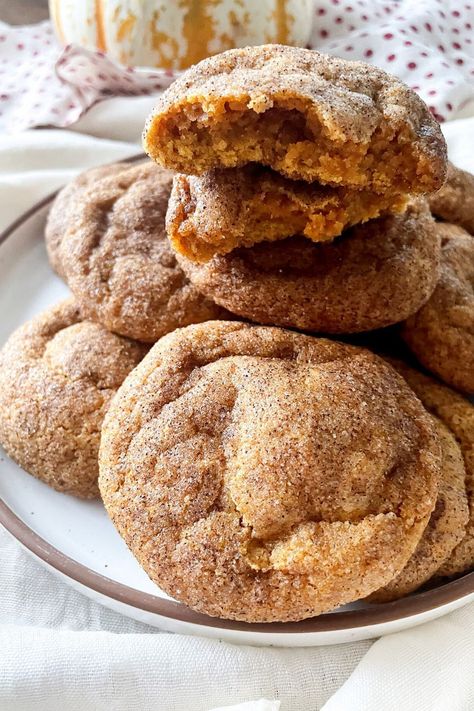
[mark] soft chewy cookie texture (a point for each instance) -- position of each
(58, 375)
(374, 275)
(454, 202)
(457, 414)
(260, 474)
(106, 237)
(224, 209)
(441, 333)
(61, 214)
(446, 527)
(307, 115)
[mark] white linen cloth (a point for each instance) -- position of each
(59, 651)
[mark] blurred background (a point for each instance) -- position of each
(19, 12)
(54, 71)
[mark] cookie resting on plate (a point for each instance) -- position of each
(58, 374)
(307, 115)
(106, 237)
(61, 214)
(445, 529)
(263, 475)
(457, 414)
(372, 276)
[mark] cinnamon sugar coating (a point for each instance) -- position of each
(223, 209)
(457, 414)
(260, 474)
(441, 333)
(446, 527)
(454, 202)
(58, 375)
(307, 115)
(372, 276)
(61, 214)
(106, 237)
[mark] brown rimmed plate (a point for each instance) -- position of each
(76, 540)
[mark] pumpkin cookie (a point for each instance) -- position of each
(61, 214)
(58, 375)
(106, 237)
(260, 474)
(372, 276)
(441, 333)
(454, 202)
(224, 209)
(445, 529)
(307, 115)
(457, 414)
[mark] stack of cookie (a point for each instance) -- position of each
(276, 142)
(257, 473)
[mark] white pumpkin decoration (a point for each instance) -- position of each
(177, 33)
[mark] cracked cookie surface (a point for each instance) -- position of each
(446, 527)
(61, 214)
(307, 115)
(58, 375)
(457, 414)
(373, 275)
(260, 474)
(224, 209)
(106, 237)
(441, 333)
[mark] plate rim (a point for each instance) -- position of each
(378, 614)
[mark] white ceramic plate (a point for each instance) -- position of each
(77, 540)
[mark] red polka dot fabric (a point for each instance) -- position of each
(429, 44)
(44, 84)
